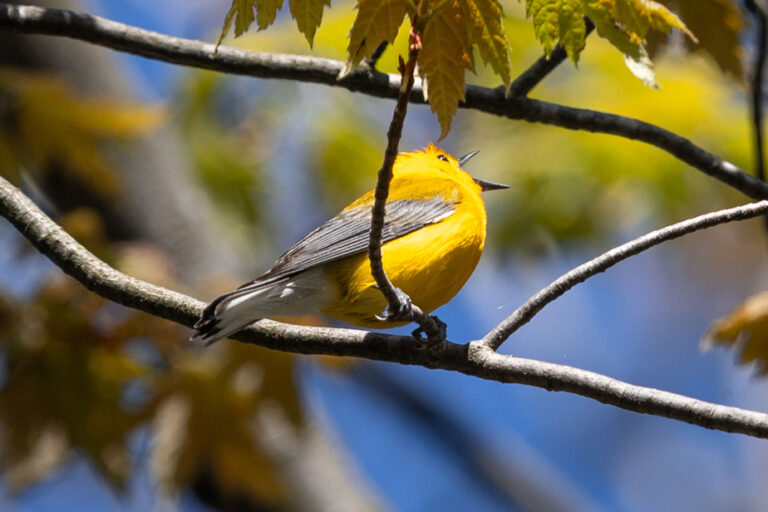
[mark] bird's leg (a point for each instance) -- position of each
(441, 336)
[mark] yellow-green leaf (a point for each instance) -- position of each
(308, 15)
(608, 27)
(545, 22)
(446, 54)
(241, 11)
(376, 21)
(571, 28)
(488, 34)
(659, 17)
(266, 12)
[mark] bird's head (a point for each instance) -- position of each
(434, 159)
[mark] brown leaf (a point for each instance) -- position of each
(744, 330)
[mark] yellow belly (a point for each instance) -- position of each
(430, 265)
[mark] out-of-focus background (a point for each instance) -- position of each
(198, 181)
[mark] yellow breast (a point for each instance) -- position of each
(430, 264)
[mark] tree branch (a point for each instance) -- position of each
(531, 77)
(532, 306)
(38, 20)
(476, 358)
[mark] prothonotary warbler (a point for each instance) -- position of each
(434, 232)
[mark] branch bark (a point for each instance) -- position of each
(475, 358)
(38, 20)
(539, 70)
(532, 306)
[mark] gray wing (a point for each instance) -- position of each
(344, 235)
(347, 234)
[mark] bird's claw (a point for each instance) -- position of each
(421, 335)
(404, 311)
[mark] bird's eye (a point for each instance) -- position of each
(442, 157)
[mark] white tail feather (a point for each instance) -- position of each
(306, 292)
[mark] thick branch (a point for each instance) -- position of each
(38, 20)
(474, 359)
(532, 306)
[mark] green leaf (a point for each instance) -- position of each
(487, 32)
(572, 29)
(308, 15)
(446, 53)
(376, 21)
(545, 22)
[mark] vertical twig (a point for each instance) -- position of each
(397, 301)
(756, 84)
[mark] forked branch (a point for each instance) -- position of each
(475, 358)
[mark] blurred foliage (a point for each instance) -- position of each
(81, 375)
(66, 369)
(718, 26)
(206, 411)
(745, 330)
(228, 158)
(43, 123)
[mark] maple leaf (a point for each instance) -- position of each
(745, 329)
(572, 31)
(545, 22)
(308, 15)
(624, 23)
(487, 32)
(376, 21)
(266, 12)
(446, 53)
(241, 12)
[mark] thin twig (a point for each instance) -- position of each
(756, 85)
(376, 55)
(55, 22)
(532, 306)
(531, 77)
(395, 300)
(473, 359)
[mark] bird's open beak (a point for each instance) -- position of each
(464, 159)
(484, 185)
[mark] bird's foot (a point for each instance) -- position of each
(404, 311)
(436, 338)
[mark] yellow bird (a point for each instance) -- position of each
(434, 232)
